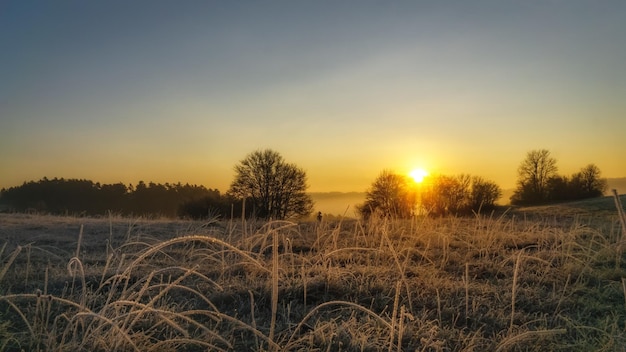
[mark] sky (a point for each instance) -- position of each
(181, 91)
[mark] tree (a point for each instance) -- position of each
(484, 194)
(389, 196)
(458, 195)
(533, 175)
(587, 183)
(560, 189)
(276, 189)
(446, 194)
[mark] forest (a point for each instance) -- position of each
(84, 197)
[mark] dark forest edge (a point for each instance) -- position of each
(61, 196)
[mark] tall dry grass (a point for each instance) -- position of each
(453, 284)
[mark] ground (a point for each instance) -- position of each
(527, 279)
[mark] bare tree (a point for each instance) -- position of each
(484, 194)
(533, 176)
(276, 189)
(587, 182)
(458, 195)
(389, 196)
(446, 195)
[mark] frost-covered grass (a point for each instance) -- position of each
(509, 282)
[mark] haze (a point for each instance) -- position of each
(170, 91)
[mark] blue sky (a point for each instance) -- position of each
(170, 91)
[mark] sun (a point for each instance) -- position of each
(418, 175)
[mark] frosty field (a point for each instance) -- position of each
(534, 279)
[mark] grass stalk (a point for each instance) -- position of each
(275, 264)
(19, 312)
(304, 283)
(199, 238)
(76, 265)
(119, 333)
(620, 211)
(514, 287)
(558, 305)
(106, 268)
(622, 239)
(80, 240)
(253, 319)
(10, 261)
(324, 305)
(45, 281)
(517, 339)
(466, 282)
(401, 328)
(624, 288)
(243, 219)
(401, 269)
(439, 307)
(161, 293)
(394, 314)
(4, 246)
(110, 229)
(28, 250)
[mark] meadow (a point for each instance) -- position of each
(547, 278)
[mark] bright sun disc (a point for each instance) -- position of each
(418, 175)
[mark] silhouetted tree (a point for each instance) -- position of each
(390, 196)
(458, 195)
(446, 195)
(484, 194)
(587, 183)
(276, 189)
(559, 189)
(539, 183)
(533, 175)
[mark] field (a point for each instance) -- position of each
(531, 279)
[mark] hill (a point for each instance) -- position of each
(601, 208)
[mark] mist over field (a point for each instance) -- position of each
(616, 183)
(337, 203)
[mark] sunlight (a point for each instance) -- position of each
(418, 175)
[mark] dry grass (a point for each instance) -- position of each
(505, 283)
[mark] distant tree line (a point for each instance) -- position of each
(77, 196)
(267, 187)
(539, 183)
